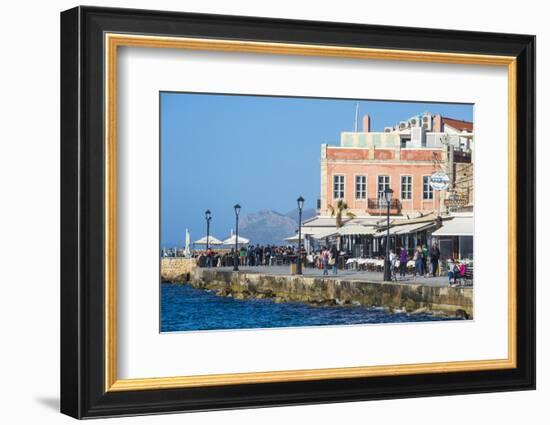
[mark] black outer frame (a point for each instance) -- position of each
(82, 206)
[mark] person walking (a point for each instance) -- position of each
(435, 254)
(209, 255)
(326, 257)
(242, 256)
(417, 261)
(425, 253)
(393, 265)
(334, 256)
(403, 258)
(392, 256)
(258, 253)
(251, 256)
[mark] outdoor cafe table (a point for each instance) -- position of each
(366, 262)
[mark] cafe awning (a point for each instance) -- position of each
(318, 232)
(457, 226)
(413, 228)
(324, 234)
(406, 229)
(356, 230)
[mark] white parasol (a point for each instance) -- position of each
(187, 243)
(211, 241)
(232, 239)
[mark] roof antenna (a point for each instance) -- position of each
(356, 116)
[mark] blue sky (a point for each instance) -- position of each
(260, 152)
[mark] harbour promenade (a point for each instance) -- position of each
(348, 288)
(347, 274)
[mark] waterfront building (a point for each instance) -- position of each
(403, 157)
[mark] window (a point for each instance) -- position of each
(427, 191)
(360, 187)
(406, 187)
(338, 187)
(383, 184)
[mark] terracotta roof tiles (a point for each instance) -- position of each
(458, 124)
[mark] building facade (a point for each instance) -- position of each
(403, 158)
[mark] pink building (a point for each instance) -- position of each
(402, 158)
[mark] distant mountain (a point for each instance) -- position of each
(307, 213)
(267, 227)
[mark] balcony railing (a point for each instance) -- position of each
(379, 206)
(462, 156)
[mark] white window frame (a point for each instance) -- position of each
(363, 186)
(430, 189)
(380, 193)
(410, 191)
(342, 187)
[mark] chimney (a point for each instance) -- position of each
(438, 124)
(366, 124)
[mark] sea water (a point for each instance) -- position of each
(184, 308)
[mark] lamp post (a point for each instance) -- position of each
(387, 265)
(300, 201)
(208, 217)
(237, 209)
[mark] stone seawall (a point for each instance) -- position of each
(177, 269)
(452, 302)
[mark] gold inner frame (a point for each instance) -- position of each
(113, 41)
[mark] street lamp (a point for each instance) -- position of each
(237, 209)
(208, 217)
(300, 201)
(387, 265)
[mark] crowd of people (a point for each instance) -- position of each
(426, 261)
(326, 258)
(251, 255)
(267, 255)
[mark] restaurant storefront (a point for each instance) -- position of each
(456, 238)
(366, 237)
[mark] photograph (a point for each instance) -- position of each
(279, 211)
(262, 211)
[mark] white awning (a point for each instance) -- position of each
(457, 226)
(321, 234)
(406, 228)
(413, 228)
(318, 232)
(321, 221)
(356, 229)
(325, 233)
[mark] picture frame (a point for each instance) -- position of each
(90, 39)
